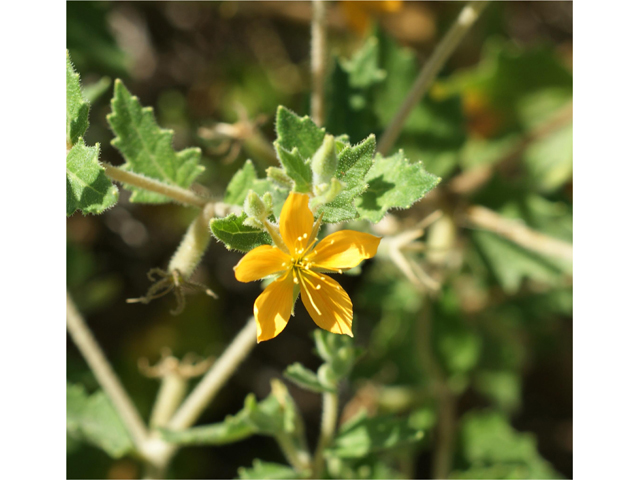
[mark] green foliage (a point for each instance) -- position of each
(244, 180)
(235, 235)
(94, 420)
(267, 470)
(494, 449)
(362, 436)
(393, 183)
(233, 429)
(77, 107)
(305, 378)
(298, 132)
(353, 164)
(88, 188)
(296, 167)
(147, 148)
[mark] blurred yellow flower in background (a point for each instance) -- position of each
(359, 14)
(300, 267)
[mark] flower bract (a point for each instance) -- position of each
(301, 265)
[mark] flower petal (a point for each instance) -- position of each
(273, 307)
(327, 302)
(296, 222)
(261, 262)
(343, 249)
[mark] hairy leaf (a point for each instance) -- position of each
(147, 148)
(353, 164)
(244, 180)
(93, 419)
(393, 183)
(88, 188)
(363, 436)
(296, 167)
(77, 107)
(235, 235)
(298, 132)
(267, 470)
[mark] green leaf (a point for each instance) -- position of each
(363, 436)
(296, 167)
(88, 188)
(353, 164)
(96, 90)
(393, 183)
(244, 180)
(147, 148)
(93, 419)
(305, 378)
(235, 235)
(77, 107)
(488, 441)
(267, 470)
(298, 132)
(233, 429)
(502, 387)
(362, 68)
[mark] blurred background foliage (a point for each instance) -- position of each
(482, 363)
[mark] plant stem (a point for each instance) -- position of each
(430, 70)
(173, 388)
(318, 60)
(297, 459)
(446, 430)
(180, 195)
(194, 243)
(327, 429)
(486, 219)
(107, 378)
(215, 378)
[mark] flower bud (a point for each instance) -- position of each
(325, 161)
(254, 207)
(280, 178)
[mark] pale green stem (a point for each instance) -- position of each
(173, 388)
(297, 458)
(327, 429)
(318, 60)
(105, 375)
(430, 70)
(180, 195)
(194, 243)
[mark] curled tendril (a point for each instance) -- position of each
(165, 282)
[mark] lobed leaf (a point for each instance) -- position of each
(93, 419)
(296, 167)
(147, 148)
(298, 132)
(393, 183)
(77, 107)
(363, 436)
(231, 231)
(88, 188)
(244, 180)
(353, 164)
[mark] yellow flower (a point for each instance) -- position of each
(300, 267)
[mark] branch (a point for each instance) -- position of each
(327, 429)
(217, 376)
(180, 195)
(430, 70)
(486, 219)
(318, 60)
(107, 378)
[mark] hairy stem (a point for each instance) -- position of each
(215, 378)
(327, 429)
(107, 378)
(194, 243)
(173, 388)
(430, 70)
(318, 60)
(180, 195)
